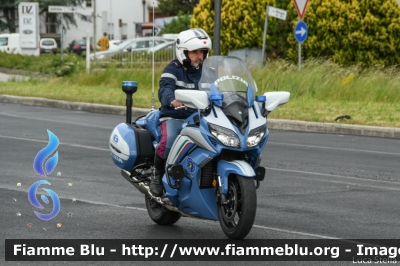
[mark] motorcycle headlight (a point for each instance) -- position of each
(225, 136)
(256, 135)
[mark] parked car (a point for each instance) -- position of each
(78, 46)
(132, 45)
(167, 46)
(113, 44)
(9, 42)
(48, 45)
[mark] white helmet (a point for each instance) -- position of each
(190, 40)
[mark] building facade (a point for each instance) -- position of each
(120, 19)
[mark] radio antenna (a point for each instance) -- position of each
(152, 55)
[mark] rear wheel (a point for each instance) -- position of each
(237, 217)
(160, 214)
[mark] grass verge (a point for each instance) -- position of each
(320, 92)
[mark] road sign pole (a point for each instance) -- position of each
(265, 37)
(299, 61)
(300, 34)
(299, 56)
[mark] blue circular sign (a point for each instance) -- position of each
(301, 31)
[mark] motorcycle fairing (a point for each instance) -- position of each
(181, 144)
(219, 118)
(190, 198)
(196, 136)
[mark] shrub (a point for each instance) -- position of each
(365, 32)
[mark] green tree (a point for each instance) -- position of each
(349, 31)
(364, 31)
(172, 7)
(181, 23)
(242, 22)
(10, 11)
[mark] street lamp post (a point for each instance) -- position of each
(217, 26)
(144, 10)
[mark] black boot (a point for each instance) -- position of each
(156, 186)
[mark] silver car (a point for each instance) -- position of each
(132, 45)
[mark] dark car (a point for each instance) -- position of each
(78, 46)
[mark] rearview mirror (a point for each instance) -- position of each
(276, 99)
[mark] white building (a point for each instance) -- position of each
(118, 18)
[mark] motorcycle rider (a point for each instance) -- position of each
(184, 72)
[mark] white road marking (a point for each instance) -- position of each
(57, 121)
(331, 148)
(374, 183)
(61, 143)
(206, 221)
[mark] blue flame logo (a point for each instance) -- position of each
(44, 153)
(32, 198)
(44, 169)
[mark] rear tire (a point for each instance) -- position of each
(159, 214)
(237, 217)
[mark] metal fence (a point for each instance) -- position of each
(130, 59)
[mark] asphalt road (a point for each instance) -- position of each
(317, 185)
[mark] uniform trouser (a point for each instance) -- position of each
(170, 129)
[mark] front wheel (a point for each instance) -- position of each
(237, 217)
(160, 214)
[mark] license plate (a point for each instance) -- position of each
(47, 50)
(83, 46)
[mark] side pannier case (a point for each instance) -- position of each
(131, 145)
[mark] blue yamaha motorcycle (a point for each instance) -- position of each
(213, 168)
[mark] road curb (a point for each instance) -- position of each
(278, 124)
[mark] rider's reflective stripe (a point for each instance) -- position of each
(178, 82)
(183, 84)
(168, 75)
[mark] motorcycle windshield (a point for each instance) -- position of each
(230, 76)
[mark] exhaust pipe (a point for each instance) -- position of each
(140, 186)
(146, 190)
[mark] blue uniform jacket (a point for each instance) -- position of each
(175, 77)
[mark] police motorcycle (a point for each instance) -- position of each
(213, 168)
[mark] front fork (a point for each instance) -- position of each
(221, 195)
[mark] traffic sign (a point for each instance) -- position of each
(276, 12)
(301, 31)
(62, 9)
(300, 7)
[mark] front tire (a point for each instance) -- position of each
(237, 217)
(159, 214)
